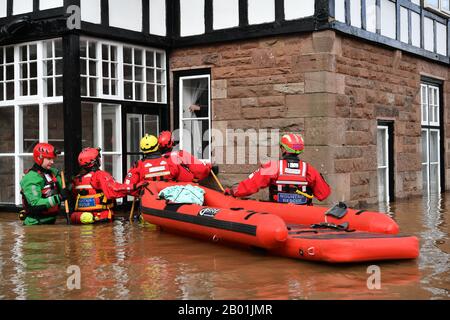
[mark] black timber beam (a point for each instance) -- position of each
(51, 25)
(72, 102)
(117, 34)
(364, 35)
(248, 32)
(321, 14)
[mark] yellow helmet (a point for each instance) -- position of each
(149, 143)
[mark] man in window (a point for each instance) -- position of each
(42, 191)
(290, 180)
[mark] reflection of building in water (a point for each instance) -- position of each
(366, 91)
(120, 268)
(17, 257)
(432, 258)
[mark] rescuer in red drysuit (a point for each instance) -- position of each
(194, 169)
(290, 180)
(95, 190)
(171, 166)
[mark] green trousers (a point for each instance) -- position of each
(29, 221)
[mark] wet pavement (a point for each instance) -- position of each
(131, 261)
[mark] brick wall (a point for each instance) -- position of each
(330, 88)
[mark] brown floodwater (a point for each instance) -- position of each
(131, 261)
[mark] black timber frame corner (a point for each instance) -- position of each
(72, 101)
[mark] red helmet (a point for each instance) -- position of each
(165, 140)
(88, 157)
(292, 143)
(43, 150)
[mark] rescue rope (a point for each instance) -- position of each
(66, 203)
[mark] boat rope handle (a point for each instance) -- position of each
(304, 194)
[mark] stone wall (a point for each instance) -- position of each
(381, 83)
(330, 88)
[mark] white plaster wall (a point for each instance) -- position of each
(225, 14)
(355, 13)
(388, 19)
(158, 17)
(3, 10)
(126, 14)
(22, 6)
(339, 10)
(429, 32)
(261, 11)
(192, 19)
(49, 4)
(415, 29)
(371, 16)
(91, 11)
(403, 25)
(294, 9)
(441, 38)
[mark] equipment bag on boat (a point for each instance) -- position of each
(183, 194)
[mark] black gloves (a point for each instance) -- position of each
(65, 194)
(228, 192)
(140, 185)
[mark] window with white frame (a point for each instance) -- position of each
(7, 154)
(6, 73)
(429, 96)
(144, 75)
(125, 72)
(133, 73)
(101, 128)
(195, 121)
(137, 126)
(160, 77)
(383, 162)
(430, 139)
(88, 68)
(52, 68)
(443, 5)
(28, 70)
(34, 123)
(110, 78)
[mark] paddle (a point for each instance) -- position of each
(217, 181)
(66, 203)
(132, 210)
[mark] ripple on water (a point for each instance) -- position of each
(132, 261)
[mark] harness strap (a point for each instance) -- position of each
(326, 225)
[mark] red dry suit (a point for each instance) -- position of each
(173, 166)
(284, 177)
(95, 192)
(189, 167)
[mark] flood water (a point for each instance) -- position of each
(131, 261)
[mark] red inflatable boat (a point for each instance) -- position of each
(302, 232)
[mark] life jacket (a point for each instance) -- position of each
(50, 189)
(291, 177)
(88, 198)
(155, 169)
